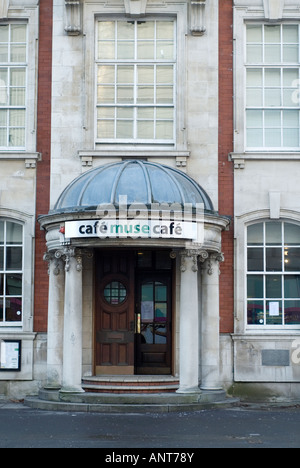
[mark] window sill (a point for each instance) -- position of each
(266, 334)
(240, 159)
(30, 159)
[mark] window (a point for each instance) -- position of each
(115, 293)
(13, 68)
(273, 274)
(136, 69)
(11, 273)
(272, 81)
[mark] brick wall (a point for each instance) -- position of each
(226, 181)
(43, 167)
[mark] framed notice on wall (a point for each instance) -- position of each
(10, 355)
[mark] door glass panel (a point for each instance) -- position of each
(160, 336)
(147, 292)
(147, 333)
(154, 312)
(161, 312)
(161, 293)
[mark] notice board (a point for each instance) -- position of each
(10, 355)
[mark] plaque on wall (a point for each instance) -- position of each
(10, 355)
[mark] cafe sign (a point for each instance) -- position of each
(134, 228)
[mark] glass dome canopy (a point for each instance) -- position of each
(140, 181)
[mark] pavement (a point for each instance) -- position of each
(147, 435)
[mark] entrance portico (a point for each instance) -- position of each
(185, 316)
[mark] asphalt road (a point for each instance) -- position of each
(161, 433)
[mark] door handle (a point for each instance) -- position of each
(138, 323)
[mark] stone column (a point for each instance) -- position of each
(55, 320)
(72, 355)
(210, 346)
(189, 323)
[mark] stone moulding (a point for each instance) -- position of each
(73, 21)
(197, 17)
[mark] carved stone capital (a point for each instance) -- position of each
(213, 262)
(64, 255)
(58, 266)
(195, 255)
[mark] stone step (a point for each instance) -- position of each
(129, 388)
(130, 384)
(54, 400)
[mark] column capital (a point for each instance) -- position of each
(73, 253)
(195, 255)
(65, 254)
(50, 257)
(213, 262)
(191, 255)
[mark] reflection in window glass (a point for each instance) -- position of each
(154, 312)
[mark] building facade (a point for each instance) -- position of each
(149, 221)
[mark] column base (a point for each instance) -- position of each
(185, 390)
(75, 389)
(52, 387)
(211, 389)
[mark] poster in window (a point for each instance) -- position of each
(147, 311)
(10, 355)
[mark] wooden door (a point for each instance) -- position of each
(115, 314)
(154, 314)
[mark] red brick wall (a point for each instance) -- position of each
(43, 167)
(226, 180)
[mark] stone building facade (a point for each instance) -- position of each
(148, 205)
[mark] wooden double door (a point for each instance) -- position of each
(133, 322)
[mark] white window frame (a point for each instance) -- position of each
(265, 327)
(135, 63)
(5, 323)
(29, 16)
(9, 66)
(295, 87)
